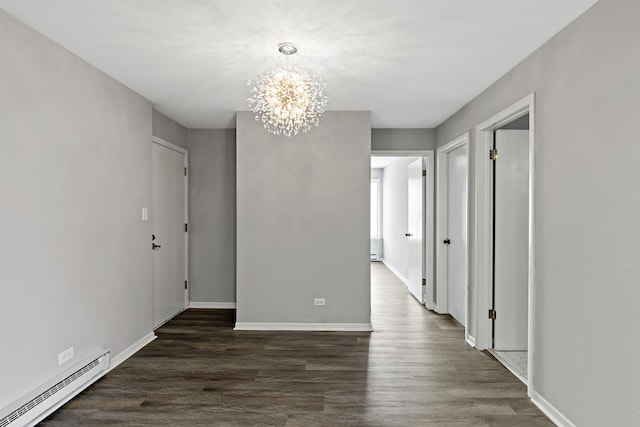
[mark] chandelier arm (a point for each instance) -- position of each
(286, 98)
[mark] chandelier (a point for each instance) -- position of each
(286, 98)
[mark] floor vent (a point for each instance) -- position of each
(46, 402)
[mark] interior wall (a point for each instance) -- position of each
(75, 172)
(403, 139)
(212, 215)
(168, 129)
(303, 222)
(395, 215)
(586, 210)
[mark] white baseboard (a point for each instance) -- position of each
(219, 305)
(131, 350)
(550, 411)
(396, 272)
(470, 340)
(258, 326)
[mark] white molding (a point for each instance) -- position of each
(442, 303)
(428, 230)
(454, 143)
(131, 350)
(186, 234)
(396, 272)
(428, 226)
(272, 326)
(169, 145)
(470, 340)
(481, 263)
(213, 305)
(550, 411)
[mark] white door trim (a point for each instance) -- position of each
(483, 214)
(167, 144)
(428, 229)
(441, 229)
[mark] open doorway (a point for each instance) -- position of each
(402, 218)
(511, 245)
(503, 247)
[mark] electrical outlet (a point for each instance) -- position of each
(145, 214)
(65, 355)
(319, 301)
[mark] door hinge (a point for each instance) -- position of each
(424, 282)
(185, 171)
(186, 227)
(185, 284)
(424, 173)
(493, 154)
(492, 314)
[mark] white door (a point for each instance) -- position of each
(511, 248)
(456, 243)
(168, 228)
(415, 231)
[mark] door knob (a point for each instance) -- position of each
(154, 246)
(408, 234)
(447, 242)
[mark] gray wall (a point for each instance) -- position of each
(303, 221)
(212, 215)
(587, 207)
(168, 129)
(403, 139)
(395, 222)
(75, 171)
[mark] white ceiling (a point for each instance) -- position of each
(413, 63)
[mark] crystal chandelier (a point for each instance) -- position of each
(286, 98)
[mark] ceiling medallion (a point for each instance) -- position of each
(287, 98)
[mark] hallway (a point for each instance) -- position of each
(415, 369)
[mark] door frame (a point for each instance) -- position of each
(185, 153)
(483, 226)
(442, 185)
(428, 208)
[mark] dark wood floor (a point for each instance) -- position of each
(415, 369)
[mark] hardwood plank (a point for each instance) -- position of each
(415, 369)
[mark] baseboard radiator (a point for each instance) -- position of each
(40, 403)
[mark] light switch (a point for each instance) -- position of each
(145, 214)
